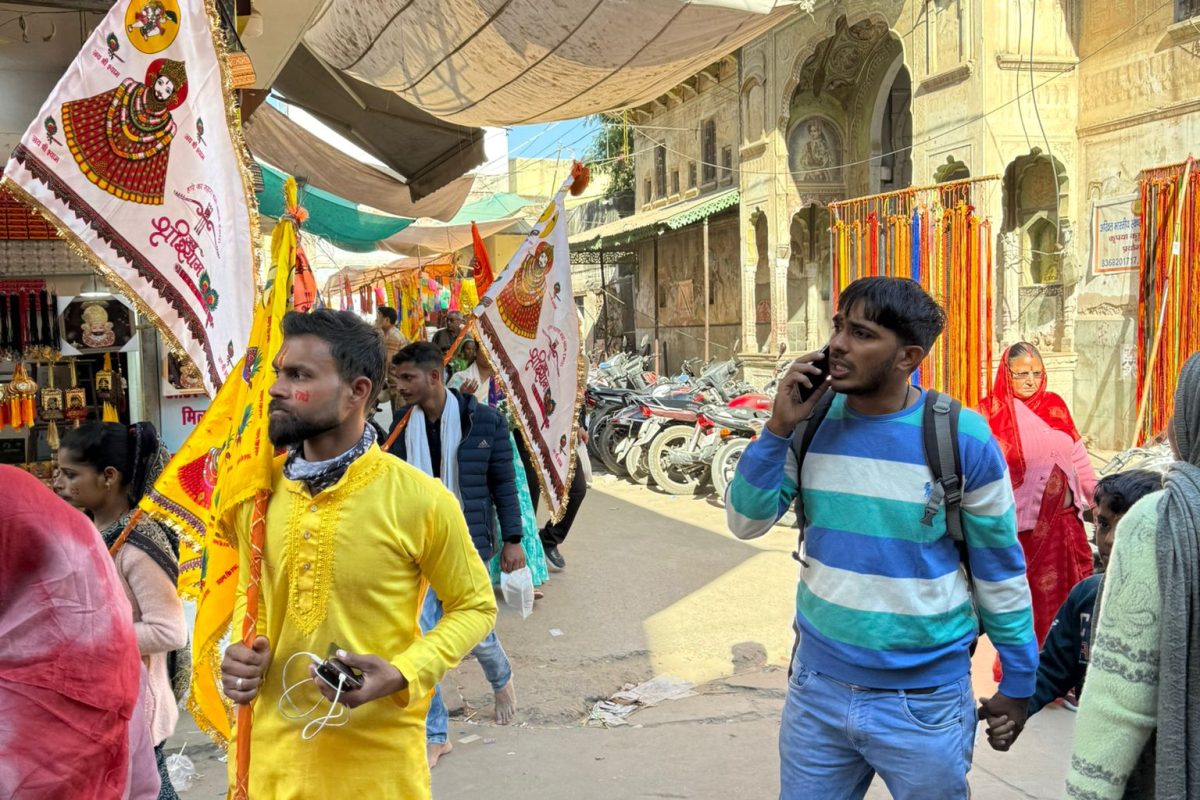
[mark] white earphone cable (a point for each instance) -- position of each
(338, 715)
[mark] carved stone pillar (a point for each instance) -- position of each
(1009, 285)
(749, 333)
(816, 316)
(1060, 375)
(779, 298)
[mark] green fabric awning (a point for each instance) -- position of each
(623, 232)
(329, 216)
(499, 205)
(706, 209)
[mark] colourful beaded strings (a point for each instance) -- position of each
(1169, 287)
(934, 236)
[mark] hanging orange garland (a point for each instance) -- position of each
(935, 236)
(1168, 326)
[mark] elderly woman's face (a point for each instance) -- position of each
(1027, 371)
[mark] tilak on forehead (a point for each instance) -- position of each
(281, 364)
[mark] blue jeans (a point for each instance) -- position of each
(491, 658)
(834, 738)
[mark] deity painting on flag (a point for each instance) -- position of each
(121, 161)
(121, 139)
(529, 329)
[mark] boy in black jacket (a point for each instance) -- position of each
(1067, 649)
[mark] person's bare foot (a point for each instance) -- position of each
(435, 751)
(506, 704)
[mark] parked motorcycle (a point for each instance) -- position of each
(738, 437)
(680, 457)
(660, 412)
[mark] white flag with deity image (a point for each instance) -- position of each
(137, 159)
(529, 329)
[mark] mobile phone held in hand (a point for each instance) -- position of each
(336, 673)
(800, 392)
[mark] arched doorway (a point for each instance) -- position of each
(891, 131)
(762, 283)
(848, 134)
(808, 277)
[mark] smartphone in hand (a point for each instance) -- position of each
(801, 393)
(334, 672)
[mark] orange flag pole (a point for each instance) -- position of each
(245, 716)
(391, 440)
(129, 526)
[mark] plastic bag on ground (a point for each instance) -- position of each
(181, 771)
(517, 588)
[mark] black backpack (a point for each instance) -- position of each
(939, 430)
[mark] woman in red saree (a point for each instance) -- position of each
(69, 667)
(1052, 479)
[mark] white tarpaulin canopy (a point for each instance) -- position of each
(511, 62)
(427, 237)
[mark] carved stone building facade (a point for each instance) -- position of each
(1065, 101)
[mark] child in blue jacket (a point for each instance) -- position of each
(1066, 651)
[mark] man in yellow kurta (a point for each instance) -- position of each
(352, 539)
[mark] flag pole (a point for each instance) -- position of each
(245, 715)
(467, 328)
(129, 526)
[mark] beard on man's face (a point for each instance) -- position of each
(290, 430)
(868, 383)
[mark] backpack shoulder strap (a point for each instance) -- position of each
(801, 440)
(939, 430)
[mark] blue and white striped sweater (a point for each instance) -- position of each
(884, 601)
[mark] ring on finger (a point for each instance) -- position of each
(239, 684)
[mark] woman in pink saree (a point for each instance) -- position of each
(1052, 480)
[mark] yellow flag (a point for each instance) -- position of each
(224, 463)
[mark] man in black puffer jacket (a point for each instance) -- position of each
(483, 478)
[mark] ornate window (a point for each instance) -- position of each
(708, 151)
(1035, 189)
(660, 171)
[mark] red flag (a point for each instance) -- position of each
(480, 263)
(304, 285)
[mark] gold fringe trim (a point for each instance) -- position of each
(207, 658)
(241, 153)
(241, 156)
(573, 455)
(106, 273)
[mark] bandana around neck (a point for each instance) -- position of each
(320, 475)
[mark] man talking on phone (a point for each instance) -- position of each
(885, 611)
(353, 538)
